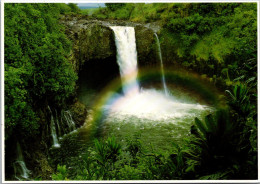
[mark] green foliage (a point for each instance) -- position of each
(129, 173)
(85, 12)
(245, 112)
(64, 8)
(114, 6)
(240, 99)
(74, 8)
(174, 166)
(107, 151)
(220, 142)
(37, 70)
(134, 146)
(211, 34)
(19, 115)
(99, 163)
(61, 173)
(38, 179)
(98, 13)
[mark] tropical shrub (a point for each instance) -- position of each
(37, 71)
(61, 173)
(219, 142)
(240, 100)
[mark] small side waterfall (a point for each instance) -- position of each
(58, 123)
(70, 124)
(127, 58)
(61, 124)
(20, 170)
(162, 69)
(53, 131)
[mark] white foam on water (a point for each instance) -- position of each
(145, 104)
(152, 104)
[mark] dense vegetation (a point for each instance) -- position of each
(215, 39)
(37, 71)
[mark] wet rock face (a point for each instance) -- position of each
(91, 41)
(145, 46)
(94, 40)
(79, 113)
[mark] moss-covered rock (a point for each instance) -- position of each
(91, 41)
(146, 46)
(95, 42)
(171, 54)
(43, 170)
(79, 113)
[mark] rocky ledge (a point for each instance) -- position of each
(94, 40)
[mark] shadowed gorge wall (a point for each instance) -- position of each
(94, 76)
(91, 42)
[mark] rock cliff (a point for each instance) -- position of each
(94, 40)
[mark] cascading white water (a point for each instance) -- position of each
(53, 131)
(149, 103)
(162, 69)
(64, 125)
(69, 120)
(20, 170)
(58, 123)
(127, 58)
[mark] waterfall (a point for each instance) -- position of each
(148, 103)
(127, 58)
(20, 170)
(162, 69)
(58, 123)
(53, 131)
(66, 115)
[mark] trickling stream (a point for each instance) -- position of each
(53, 131)
(66, 115)
(161, 61)
(20, 170)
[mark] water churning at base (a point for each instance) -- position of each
(148, 103)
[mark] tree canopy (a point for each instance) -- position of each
(37, 71)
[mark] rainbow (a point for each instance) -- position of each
(111, 93)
